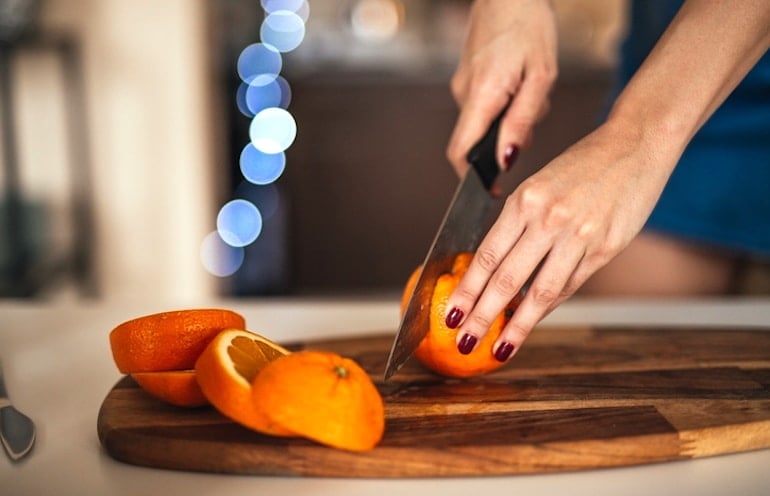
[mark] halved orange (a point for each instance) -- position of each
(177, 387)
(169, 340)
(226, 369)
(321, 396)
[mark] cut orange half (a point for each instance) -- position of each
(321, 396)
(177, 387)
(226, 369)
(168, 340)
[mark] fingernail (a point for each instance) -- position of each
(511, 154)
(454, 317)
(503, 352)
(466, 344)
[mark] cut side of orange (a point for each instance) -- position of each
(168, 340)
(225, 370)
(321, 396)
(177, 387)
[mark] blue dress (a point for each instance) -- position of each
(719, 192)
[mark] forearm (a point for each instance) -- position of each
(706, 51)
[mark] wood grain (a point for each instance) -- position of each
(573, 399)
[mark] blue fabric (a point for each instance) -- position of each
(719, 192)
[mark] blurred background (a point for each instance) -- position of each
(124, 124)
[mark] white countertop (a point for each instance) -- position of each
(58, 369)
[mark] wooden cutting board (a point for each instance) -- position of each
(572, 399)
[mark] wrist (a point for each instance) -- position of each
(660, 133)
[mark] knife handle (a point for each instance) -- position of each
(483, 157)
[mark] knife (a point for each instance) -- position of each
(17, 432)
(460, 230)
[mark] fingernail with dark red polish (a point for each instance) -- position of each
(466, 344)
(454, 317)
(511, 154)
(503, 352)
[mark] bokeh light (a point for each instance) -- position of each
(239, 223)
(377, 20)
(259, 167)
(259, 63)
(240, 100)
(285, 92)
(219, 258)
(262, 94)
(272, 130)
(299, 7)
(283, 30)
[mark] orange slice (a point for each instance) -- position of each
(177, 387)
(168, 340)
(321, 396)
(226, 369)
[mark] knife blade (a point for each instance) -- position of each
(17, 431)
(460, 230)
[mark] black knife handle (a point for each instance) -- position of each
(483, 157)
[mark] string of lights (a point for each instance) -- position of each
(264, 97)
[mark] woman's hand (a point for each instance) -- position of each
(571, 218)
(586, 205)
(509, 58)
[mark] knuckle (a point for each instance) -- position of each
(548, 73)
(587, 230)
(599, 256)
(543, 296)
(464, 294)
(515, 332)
(452, 152)
(505, 284)
(530, 198)
(556, 215)
(457, 87)
(480, 324)
(487, 259)
(570, 288)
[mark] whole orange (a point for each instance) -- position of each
(438, 350)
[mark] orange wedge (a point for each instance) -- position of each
(168, 340)
(226, 369)
(321, 396)
(178, 387)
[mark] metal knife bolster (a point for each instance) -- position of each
(460, 230)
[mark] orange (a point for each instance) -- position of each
(178, 387)
(226, 369)
(168, 340)
(321, 396)
(438, 350)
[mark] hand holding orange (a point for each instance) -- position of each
(438, 350)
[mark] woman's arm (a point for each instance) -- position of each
(585, 206)
(708, 48)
